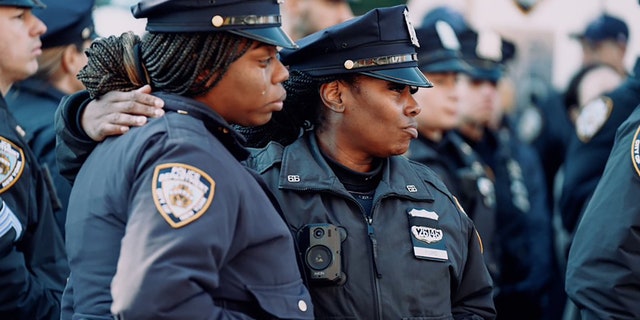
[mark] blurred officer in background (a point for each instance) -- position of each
(402, 248)
(178, 228)
(33, 102)
(591, 144)
(523, 217)
(603, 271)
(605, 41)
(438, 145)
(301, 18)
(33, 267)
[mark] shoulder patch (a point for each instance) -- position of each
(11, 164)
(635, 151)
(182, 193)
(530, 124)
(592, 117)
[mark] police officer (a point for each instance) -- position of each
(33, 101)
(398, 245)
(523, 217)
(177, 228)
(603, 273)
(591, 144)
(32, 261)
(438, 145)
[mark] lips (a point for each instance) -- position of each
(412, 130)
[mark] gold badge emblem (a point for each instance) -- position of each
(11, 164)
(635, 151)
(182, 193)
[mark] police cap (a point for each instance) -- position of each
(67, 21)
(605, 27)
(22, 3)
(254, 19)
(486, 52)
(381, 44)
(439, 48)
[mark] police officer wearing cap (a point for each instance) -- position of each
(604, 40)
(33, 266)
(34, 101)
(177, 228)
(438, 145)
(399, 245)
(523, 218)
(603, 273)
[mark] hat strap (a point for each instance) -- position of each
(220, 21)
(380, 61)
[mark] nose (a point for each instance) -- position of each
(412, 107)
(281, 73)
(38, 27)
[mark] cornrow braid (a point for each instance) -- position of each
(188, 64)
(302, 111)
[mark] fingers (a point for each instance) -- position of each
(115, 112)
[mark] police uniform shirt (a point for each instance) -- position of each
(33, 270)
(388, 272)
(603, 272)
(178, 227)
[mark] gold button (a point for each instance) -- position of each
(217, 21)
(349, 64)
(302, 305)
(86, 33)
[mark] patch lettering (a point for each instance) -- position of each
(635, 151)
(182, 193)
(11, 164)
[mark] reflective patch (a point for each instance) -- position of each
(11, 164)
(423, 214)
(182, 193)
(635, 151)
(592, 117)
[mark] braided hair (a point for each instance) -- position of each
(188, 64)
(302, 110)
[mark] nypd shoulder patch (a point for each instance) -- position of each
(182, 193)
(635, 151)
(11, 164)
(592, 117)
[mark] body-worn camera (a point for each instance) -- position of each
(321, 252)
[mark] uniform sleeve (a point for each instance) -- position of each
(473, 299)
(603, 278)
(30, 292)
(170, 262)
(73, 146)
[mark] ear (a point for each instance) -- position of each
(70, 59)
(331, 95)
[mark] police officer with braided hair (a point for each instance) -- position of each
(178, 228)
(398, 246)
(438, 145)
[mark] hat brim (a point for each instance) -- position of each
(451, 65)
(273, 36)
(410, 76)
(25, 4)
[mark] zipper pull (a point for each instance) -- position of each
(374, 246)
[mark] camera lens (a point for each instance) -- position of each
(318, 233)
(319, 257)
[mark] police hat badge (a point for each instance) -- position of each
(635, 151)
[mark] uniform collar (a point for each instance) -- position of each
(218, 126)
(399, 177)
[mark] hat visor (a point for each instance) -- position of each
(451, 65)
(410, 76)
(273, 36)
